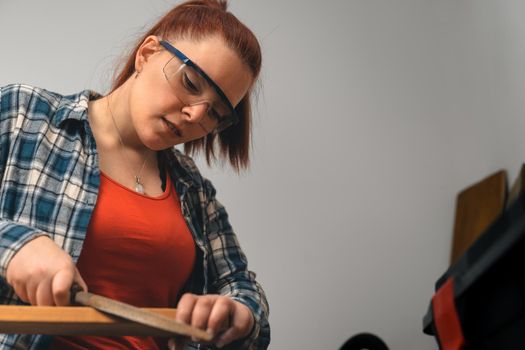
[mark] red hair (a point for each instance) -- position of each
(197, 19)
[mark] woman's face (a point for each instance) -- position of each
(162, 116)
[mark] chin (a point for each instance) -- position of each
(154, 143)
(158, 146)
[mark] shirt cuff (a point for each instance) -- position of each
(250, 340)
(14, 236)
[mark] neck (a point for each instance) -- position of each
(111, 118)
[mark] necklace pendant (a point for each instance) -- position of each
(138, 186)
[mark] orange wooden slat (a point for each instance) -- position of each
(476, 208)
(71, 320)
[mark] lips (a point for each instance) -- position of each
(172, 127)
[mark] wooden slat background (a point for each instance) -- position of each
(477, 207)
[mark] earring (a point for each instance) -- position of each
(136, 74)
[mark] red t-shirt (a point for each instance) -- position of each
(139, 250)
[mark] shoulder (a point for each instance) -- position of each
(38, 103)
(25, 102)
(187, 170)
(187, 163)
(23, 95)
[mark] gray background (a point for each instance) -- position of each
(372, 115)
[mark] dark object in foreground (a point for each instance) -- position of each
(364, 341)
(480, 300)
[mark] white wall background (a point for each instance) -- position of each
(372, 116)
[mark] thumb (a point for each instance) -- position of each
(80, 281)
(63, 283)
(60, 286)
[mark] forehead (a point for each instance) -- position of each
(220, 63)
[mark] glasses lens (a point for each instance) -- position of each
(192, 89)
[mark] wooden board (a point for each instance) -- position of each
(73, 320)
(476, 208)
(517, 186)
(136, 314)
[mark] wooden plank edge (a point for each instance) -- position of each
(73, 320)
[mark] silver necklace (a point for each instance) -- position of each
(139, 187)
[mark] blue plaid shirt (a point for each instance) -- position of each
(49, 180)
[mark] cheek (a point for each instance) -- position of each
(147, 102)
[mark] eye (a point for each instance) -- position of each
(188, 84)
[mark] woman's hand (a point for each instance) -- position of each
(222, 316)
(41, 273)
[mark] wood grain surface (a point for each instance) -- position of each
(135, 314)
(477, 207)
(73, 320)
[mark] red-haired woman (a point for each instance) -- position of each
(93, 191)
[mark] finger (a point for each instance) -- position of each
(44, 295)
(21, 292)
(61, 285)
(201, 312)
(219, 318)
(241, 323)
(177, 343)
(171, 344)
(227, 337)
(235, 331)
(31, 287)
(185, 308)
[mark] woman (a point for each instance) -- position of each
(94, 193)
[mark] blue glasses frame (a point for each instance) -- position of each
(228, 121)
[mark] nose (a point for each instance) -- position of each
(196, 113)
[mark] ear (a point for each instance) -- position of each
(149, 46)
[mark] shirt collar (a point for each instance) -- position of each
(184, 169)
(74, 107)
